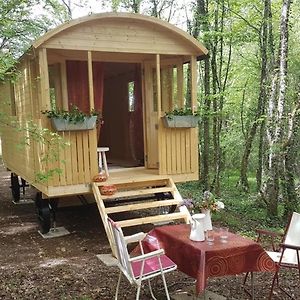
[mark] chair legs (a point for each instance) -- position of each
(118, 285)
(165, 285)
(276, 279)
(137, 297)
(150, 289)
(251, 293)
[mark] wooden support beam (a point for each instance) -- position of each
(158, 93)
(180, 86)
(103, 215)
(158, 86)
(64, 85)
(91, 81)
(44, 80)
(193, 82)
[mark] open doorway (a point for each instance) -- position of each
(122, 129)
(118, 95)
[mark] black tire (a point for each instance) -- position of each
(15, 187)
(43, 213)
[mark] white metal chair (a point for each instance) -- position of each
(142, 267)
(288, 255)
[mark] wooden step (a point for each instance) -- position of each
(152, 219)
(138, 192)
(135, 183)
(139, 206)
(134, 193)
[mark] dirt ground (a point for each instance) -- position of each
(67, 268)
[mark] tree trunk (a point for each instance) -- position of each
(263, 42)
(261, 152)
(289, 161)
(219, 82)
(206, 129)
(275, 118)
(201, 16)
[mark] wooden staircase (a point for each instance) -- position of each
(141, 194)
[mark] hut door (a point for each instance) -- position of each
(151, 125)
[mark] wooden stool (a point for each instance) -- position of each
(102, 159)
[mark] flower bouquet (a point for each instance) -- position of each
(206, 205)
(208, 202)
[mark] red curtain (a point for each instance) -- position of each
(98, 79)
(78, 85)
(77, 81)
(136, 120)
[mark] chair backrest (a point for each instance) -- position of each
(292, 236)
(121, 250)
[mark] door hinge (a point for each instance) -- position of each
(156, 126)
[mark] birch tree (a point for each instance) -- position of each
(265, 34)
(275, 118)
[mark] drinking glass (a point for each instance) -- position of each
(224, 234)
(216, 230)
(210, 237)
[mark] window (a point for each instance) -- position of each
(131, 97)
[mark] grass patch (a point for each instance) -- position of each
(243, 212)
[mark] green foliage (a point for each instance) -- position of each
(182, 112)
(50, 143)
(74, 115)
(243, 213)
(21, 22)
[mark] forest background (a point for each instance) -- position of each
(248, 89)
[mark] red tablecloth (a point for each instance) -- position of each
(200, 260)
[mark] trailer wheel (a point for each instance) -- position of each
(43, 213)
(15, 186)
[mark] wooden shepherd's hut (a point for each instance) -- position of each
(131, 68)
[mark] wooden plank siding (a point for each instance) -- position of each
(127, 35)
(179, 150)
(23, 92)
(178, 147)
(78, 160)
(17, 155)
(18, 148)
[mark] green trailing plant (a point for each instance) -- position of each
(181, 112)
(31, 132)
(74, 115)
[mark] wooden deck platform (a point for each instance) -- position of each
(118, 176)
